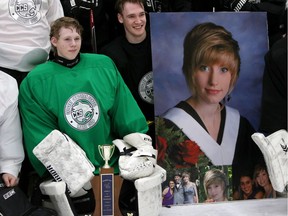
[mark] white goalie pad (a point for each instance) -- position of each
(65, 160)
(275, 151)
(149, 192)
(56, 192)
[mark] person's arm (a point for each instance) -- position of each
(274, 92)
(196, 199)
(271, 6)
(55, 11)
(236, 195)
(11, 146)
(165, 191)
(208, 200)
(37, 120)
(126, 115)
(259, 195)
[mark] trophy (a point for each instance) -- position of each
(108, 203)
(106, 151)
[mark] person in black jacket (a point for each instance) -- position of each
(276, 13)
(131, 53)
(274, 93)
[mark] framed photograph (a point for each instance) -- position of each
(168, 31)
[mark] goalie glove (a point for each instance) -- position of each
(65, 161)
(137, 156)
(275, 151)
(143, 144)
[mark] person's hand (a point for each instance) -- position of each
(209, 201)
(10, 180)
(235, 5)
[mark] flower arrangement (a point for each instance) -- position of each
(175, 149)
(177, 153)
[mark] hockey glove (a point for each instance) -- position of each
(137, 156)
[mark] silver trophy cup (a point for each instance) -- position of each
(106, 151)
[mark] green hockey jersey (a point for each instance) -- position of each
(89, 102)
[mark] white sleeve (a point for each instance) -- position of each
(11, 146)
(55, 10)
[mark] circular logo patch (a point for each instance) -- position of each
(26, 12)
(146, 88)
(81, 111)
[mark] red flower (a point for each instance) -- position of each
(161, 145)
(190, 151)
(186, 154)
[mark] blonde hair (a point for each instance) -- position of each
(209, 43)
(185, 174)
(259, 168)
(215, 176)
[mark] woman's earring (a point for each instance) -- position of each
(228, 97)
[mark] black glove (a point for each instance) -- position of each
(235, 5)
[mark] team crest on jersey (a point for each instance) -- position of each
(26, 12)
(82, 111)
(146, 88)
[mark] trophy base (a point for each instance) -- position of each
(106, 188)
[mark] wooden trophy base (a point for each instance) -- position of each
(105, 196)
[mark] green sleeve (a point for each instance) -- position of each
(127, 117)
(37, 122)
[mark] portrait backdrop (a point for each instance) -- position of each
(167, 35)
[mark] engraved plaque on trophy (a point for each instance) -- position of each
(107, 181)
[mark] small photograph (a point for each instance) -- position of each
(192, 185)
(207, 71)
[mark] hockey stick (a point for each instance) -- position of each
(93, 32)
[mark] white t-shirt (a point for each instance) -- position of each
(11, 146)
(24, 32)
